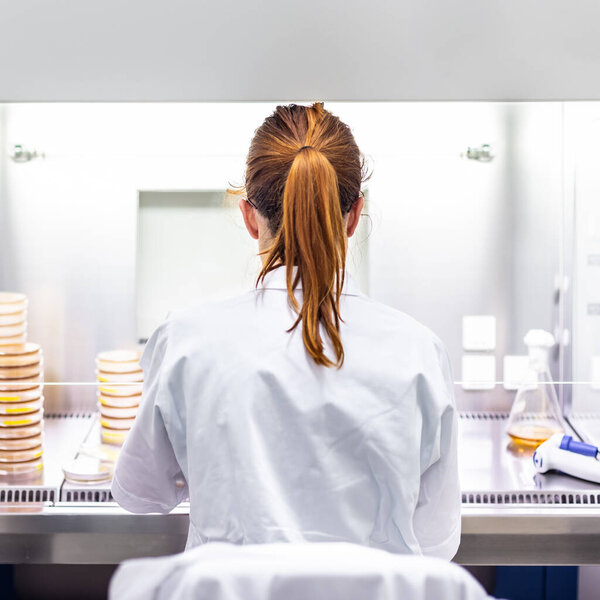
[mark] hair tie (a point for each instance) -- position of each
(299, 149)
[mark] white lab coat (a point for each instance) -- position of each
(293, 572)
(273, 448)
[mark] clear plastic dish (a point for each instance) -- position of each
(19, 349)
(21, 396)
(11, 373)
(24, 431)
(21, 469)
(10, 341)
(21, 408)
(118, 390)
(104, 366)
(135, 377)
(22, 443)
(112, 423)
(17, 456)
(13, 330)
(20, 360)
(114, 437)
(13, 318)
(12, 302)
(28, 383)
(21, 420)
(120, 412)
(118, 401)
(120, 356)
(88, 469)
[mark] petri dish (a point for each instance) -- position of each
(119, 412)
(15, 456)
(24, 431)
(10, 373)
(112, 423)
(21, 420)
(21, 408)
(12, 302)
(21, 396)
(88, 469)
(19, 349)
(28, 468)
(120, 356)
(20, 360)
(117, 390)
(114, 437)
(13, 319)
(120, 377)
(26, 383)
(13, 330)
(22, 443)
(118, 401)
(10, 341)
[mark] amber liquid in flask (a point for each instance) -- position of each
(535, 415)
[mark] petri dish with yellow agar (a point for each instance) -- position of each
(23, 431)
(21, 420)
(117, 412)
(114, 437)
(14, 456)
(120, 401)
(22, 443)
(16, 373)
(21, 469)
(112, 423)
(21, 408)
(21, 396)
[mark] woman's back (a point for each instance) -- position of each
(276, 448)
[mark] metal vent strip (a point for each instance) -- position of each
(483, 416)
(93, 495)
(69, 415)
(27, 495)
(532, 498)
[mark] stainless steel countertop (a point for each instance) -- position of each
(510, 514)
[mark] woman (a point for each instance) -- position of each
(302, 410)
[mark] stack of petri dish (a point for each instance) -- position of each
(119, 393)
(21, 410)
(13, 318)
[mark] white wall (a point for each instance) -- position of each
(337, 49)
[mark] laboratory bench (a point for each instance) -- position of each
(511, 514)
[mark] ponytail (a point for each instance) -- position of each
(309, 238)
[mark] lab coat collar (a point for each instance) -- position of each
(276, 280)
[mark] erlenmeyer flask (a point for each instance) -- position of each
(535, 415)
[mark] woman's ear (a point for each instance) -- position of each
(249, 216)
(354, 216)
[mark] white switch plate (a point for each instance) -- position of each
(514, 371)
(478, 372)
(479, 332)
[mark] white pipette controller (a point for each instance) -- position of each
(563, 453)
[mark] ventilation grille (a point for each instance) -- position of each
(483, 416)
(27, 494)
(87, 495)
(69, 415)
(532, 498)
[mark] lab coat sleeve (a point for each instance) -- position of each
(147, 476)
(436, 520)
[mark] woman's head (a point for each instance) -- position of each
(303, 178)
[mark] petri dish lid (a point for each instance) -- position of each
(12, 302)
(20, 360)
(112, 423)
(22, 468)
(115, 437)
(122, 390)
(11, 341)
(10, 373)
(13, 318)
(106, 366)
(88, 469)
(120, 356)
(12, 330)
(26, 383)
(119, 401)
(137, 376)
(26, 431)
(22, 443)
(21, 396)
(19, 349)
(117, 412)
(21, 420)
(15, 456)
(21, 408)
